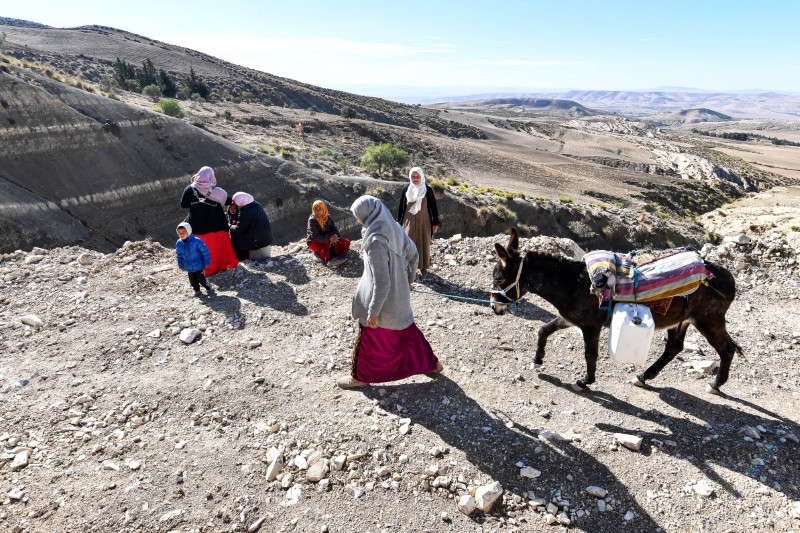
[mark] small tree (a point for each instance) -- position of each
(147, 76)
(167, 86)
(383, 157)
(195, 84)
(247, 96)
(153, 92)
(347, 113)
(123, 73)
(170, 107)
(2, 38)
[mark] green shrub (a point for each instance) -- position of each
(565, 200)
(167, 86)
(343, 163)
(347, 113)
(505, 213)
(383, 157)
(170, 107)
(266, 102)
(2, 38)
(227, 115)
(286, 154)
(438, 171)
(247, 95)
(237, 100)
(451, 181)
(153, 92)
(326, 152)
(197, 98)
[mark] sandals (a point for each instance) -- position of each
(439, 368)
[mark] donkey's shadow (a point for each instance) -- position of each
(722, 430)
(494, 448)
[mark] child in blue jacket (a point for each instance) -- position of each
(193, 256)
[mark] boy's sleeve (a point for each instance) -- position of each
(205, 253)
(180, 258)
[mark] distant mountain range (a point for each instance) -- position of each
(740, 105)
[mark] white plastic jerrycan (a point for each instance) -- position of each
(632, 330)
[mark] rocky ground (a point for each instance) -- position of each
(128, 405)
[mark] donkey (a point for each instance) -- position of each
(565, 284)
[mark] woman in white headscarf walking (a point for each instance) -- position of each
(388, 345)
(419, 215)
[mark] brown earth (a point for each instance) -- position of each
(132, 430)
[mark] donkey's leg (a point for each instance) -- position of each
(545, 331)
(675, 338)
(716, 334)
(591, 338)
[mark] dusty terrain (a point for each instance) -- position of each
(124, 427)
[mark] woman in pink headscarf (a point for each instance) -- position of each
(249, 225)
(206, 204)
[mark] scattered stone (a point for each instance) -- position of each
(750, 431)
(170, 515)
(632, 442)
(85, 259)
(134, 465)
(254, 344)
(317, 471)
(487, 495)
(274, 468)
(16, 494)
(32, 320)
(466, 504)
(703, 488)
(597, 492)
(181, 445)
(629, 516)
(110, 465)
(529, 472)
(20, 461)
(156, 333)
(292, 496)
(737, 239)
(255, 526)
(188, 335)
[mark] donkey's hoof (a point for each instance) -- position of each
(537, 366)
(712, 390)
(579, 387)
(638, 382)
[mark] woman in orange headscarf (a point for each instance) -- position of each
(323, 236)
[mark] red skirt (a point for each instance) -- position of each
(323, 249)
(382, 354)
(222, 255)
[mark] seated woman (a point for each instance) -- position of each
(323, 236)
(249, 225)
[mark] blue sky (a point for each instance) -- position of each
(418, 47)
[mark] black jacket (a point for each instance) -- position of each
(433, 211)
(205, 216)
(323, 235)
(252, 229)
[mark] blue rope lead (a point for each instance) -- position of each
(510, 305)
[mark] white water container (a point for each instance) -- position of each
(631, 333)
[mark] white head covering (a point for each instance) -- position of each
(205, 183)
(186, 226)
(416, 193)
(241, 199)
(379, 225)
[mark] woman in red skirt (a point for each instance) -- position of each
(205, 202)
(388, 346)
(323, 236)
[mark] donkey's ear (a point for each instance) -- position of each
(502, 254)
(513, 240)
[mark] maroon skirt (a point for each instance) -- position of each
(381, 354)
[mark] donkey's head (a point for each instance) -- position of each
(506, 284)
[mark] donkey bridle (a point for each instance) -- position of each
(503, 292)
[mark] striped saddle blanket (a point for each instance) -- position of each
(644, 277)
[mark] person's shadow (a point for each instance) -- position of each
(434, 283)
(720, 443)
(228, 306)
(494, 449)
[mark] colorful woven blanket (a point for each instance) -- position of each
(629, 277)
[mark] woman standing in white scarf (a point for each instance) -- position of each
(419, 215)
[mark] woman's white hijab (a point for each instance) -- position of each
(416, 193)
(379, 225)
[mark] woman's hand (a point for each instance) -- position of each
(334, 239)
(435, 228)
(372, 321)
